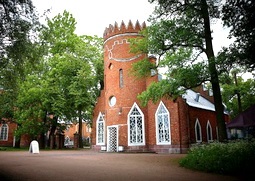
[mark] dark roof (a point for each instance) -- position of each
(244, 119)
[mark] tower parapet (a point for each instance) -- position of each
(130, 28)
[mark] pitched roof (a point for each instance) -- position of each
(244, 119)
(194, 99)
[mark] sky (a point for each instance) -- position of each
(93, 16)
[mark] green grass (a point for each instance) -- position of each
(233, 158)
(13, 149)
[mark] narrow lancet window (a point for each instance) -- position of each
(121, 78)
(162, 125)
(198, 131)
(100, 130)
(209, 131)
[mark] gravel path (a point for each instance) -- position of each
(88, 165)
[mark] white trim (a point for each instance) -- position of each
(200, 131)
(117, 135)
(156, 123)
(100, 115)
(119, 35)
(143, 128)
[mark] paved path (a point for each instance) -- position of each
(88, 165)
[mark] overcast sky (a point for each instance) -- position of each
(93, 16)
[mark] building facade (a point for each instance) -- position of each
(120, 123)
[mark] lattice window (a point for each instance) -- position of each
(209, 131)
(163, 125)
(136, 135)
(4, 132)
(100, 130)
(198, 132)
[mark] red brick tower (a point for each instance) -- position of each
(121, 88)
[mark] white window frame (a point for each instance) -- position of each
(143, 128)
(99, 121)
(197, 123)
(5, 136)
(208, 126)
(157, 126)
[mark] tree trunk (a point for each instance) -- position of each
(238, 95)
(80, 130)
(214, 75)
(42, 135)
(17, 142)
(52, 130)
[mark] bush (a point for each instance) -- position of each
(235, 157)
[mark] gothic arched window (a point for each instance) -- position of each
(136, 134)
(209, 131)
(100, 134)
(163, 134)
(198, 131)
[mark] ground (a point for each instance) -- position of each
(90, 165)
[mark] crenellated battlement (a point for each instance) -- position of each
(123, 28)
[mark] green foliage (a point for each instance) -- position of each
(226, 158)
(246, 91)
(18, 49)
(177, 35)
(239, 16)
(17, 21)
(65, 83)
(142, 68)
(157, 90)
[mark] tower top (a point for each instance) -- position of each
(130, 28)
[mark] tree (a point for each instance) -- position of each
(239, 16)
(65, 83)
(238, 94)
(18, 27)
(179, 33)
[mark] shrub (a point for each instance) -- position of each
(235, 157)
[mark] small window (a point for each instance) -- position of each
(110, 66)
(112, 101)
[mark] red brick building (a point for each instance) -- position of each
(120, 123)
(7, 137)
(72, 129)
